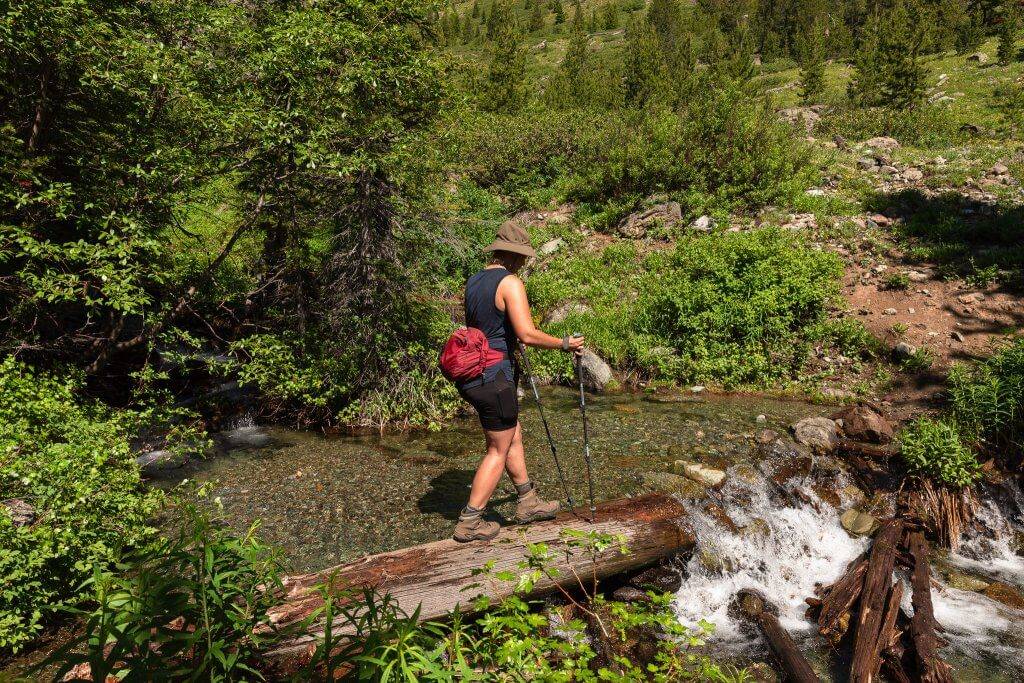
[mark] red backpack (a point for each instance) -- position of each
(466, 354)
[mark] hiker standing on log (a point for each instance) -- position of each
(496, 304)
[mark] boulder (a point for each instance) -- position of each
(550, 247)
(904, 351)
(666, 482)
(999, 169)
(867, 163)
(864, 423)
(883, 143)
(636, 225)
(807, 117)
(564, 310)
(247, 436)
(660, 578)
(702, 474)
(21, 513)
(913, 174)
(152, 462)
(917, 276)
(596, 374)
(819, 433)
(858, 523)
(629, 594)
(703, 224)
(979, 57)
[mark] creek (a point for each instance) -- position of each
(325, 500)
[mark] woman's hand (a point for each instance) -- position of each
(511, 298)
(573, 344)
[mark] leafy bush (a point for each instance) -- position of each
(733, 309)
(934, 448)
(988, 400)
(189, 607)
(71, 461)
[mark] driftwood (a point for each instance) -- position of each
(439, 577)
(874, 599)
(838, 599)
(756, 608)
(930, 667)
(868, 450)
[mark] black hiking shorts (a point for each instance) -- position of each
(496, 402)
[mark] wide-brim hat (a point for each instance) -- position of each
(512, 237)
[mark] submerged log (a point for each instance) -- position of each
(756, 608)
(439, 577)
(874, 600)
(930, 666)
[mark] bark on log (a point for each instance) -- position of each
(838, 599)
(438, 577)
(930, 666)
(874, 600)
(867, 450)
(755, 607)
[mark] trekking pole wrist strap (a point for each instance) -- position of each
(565, 343)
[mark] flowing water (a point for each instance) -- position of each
(327, 500)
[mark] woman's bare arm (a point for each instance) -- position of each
(511, 295)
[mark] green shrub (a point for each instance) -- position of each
(193, 606)
(934, 448)
(71, 461)
(732, 309)
(988, 400)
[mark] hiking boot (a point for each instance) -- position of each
(532, 509)
(475, 528)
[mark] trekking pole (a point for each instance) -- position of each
(547, 430)
(586, 435)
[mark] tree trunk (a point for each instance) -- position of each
(930, 667)
(874, 600)
(438, 577)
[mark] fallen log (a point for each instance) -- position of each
(868, 450)
(930, 666)
(441, 576)
(757, 609)
(838, 599)
(874, 600)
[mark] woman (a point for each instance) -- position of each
(496, 304)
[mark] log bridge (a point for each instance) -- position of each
(439, 577)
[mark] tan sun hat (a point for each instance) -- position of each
(512, 237)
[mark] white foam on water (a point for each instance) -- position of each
(805, 546)
(976, 626)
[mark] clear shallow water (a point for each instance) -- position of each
(327, 500)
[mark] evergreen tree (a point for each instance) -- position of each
(1007, 32)
(667, 19)
(537, 15)
(505, 89)
(559, 12)
(476, 9)
(811, 57)
(577, 14)
(573, 86)
(887, 70)
(646, 72)
(496, 18)
(469, 28)
(592, 24)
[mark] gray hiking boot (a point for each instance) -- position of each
(475, 528)
(532, 509)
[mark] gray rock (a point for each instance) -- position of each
(999, 169)
(917, 276)
(913, 174)
(596, 374)
(867, 163)
(563, 311)
(703, 224)
(858, 523)
(244, 437)
(801, 116)
(801, 221)
(637, 224)
(702, 474)
(761, 419)
(659, 578)
(979, 57)
(160, 460)
(972, 298)
(819, 433)
(883, 143)
(22, 514)
(903, 351)
(889, 311)
(630, 594)
(550, 247)
(697, 389)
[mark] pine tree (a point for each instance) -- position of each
(505, 89)
(577, 13)
(887, 70)
(559, 12)
(573, 78)
(494, 20)
(811, 57)
(592, 24)
(537, 15)
(1007, 32)
(476, 9)
(667, 19)
(646, 73)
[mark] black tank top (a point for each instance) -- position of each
(483, 314)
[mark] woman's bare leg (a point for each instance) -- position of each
(491, 467)
(515, 463)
